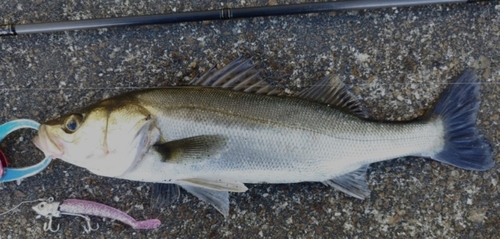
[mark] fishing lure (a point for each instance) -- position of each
(84, 209)
(16, 174)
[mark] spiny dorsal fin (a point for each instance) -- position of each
(353, 183)
(332, 91)
(239, 75)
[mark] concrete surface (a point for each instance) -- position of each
(398, 60)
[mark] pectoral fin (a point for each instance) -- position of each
(164, 194)
(193, 149)
(218, 199)
(217, 185)
(353, 183)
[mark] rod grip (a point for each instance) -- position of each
(7, 30)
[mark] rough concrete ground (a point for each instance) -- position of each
(398, 60)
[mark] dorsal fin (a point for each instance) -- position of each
(239, 75)
(330, 90)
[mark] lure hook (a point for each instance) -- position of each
(49, 227)
(89, 228)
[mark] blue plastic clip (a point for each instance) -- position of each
(13, 174)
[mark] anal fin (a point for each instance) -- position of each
(353, 183)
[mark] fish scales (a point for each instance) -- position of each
(304, 141)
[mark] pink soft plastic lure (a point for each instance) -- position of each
(84, 208)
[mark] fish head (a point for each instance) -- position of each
(72, 137)
(107, 139)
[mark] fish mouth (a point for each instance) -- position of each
(46, 144)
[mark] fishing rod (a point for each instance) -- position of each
(221, 14)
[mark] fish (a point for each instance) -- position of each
(230, 127)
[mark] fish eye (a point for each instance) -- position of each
(41, 206)
(72, 123)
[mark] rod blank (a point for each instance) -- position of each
(222, 14)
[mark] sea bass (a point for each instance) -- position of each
(231, 127)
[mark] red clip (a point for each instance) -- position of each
(3, 163)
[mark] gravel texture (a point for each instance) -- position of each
(397, 60)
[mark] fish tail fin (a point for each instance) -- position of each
(457, 107)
